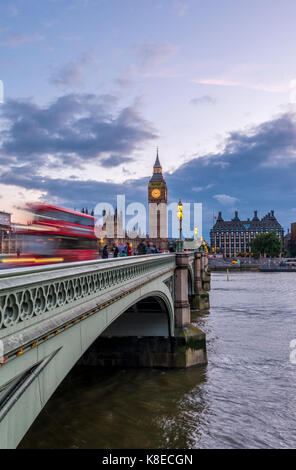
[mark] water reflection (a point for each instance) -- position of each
(122, 409)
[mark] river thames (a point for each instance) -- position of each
(244, 398)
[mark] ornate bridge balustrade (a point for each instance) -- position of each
(28, 296)
(125, 311)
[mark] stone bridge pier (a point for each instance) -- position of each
(200, 299)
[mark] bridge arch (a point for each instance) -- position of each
(151, 315)
(139, 336)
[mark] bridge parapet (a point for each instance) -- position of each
(31, 295)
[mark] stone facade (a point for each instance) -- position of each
(233, 237)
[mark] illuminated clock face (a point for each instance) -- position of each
(155, 193)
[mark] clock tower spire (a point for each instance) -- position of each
(157, 200)
(157, 163)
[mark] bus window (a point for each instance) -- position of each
(39, 245)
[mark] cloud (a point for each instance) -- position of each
(205, 99)
(224, 199)
(70, 132)
(124, 83)
(13, 10)
(225, 82)
(181, 8)
(73, 73)
(255, 169)
(51, 23)
(115, 160)
(74, 192)
(150, 55)
(201, 188)
(15, 40)
(216, 81)
(70, 37)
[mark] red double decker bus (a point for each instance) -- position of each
(55, 235)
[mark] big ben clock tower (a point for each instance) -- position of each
(157, 200)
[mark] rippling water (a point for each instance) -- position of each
(244, 398)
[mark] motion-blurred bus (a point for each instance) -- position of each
(55, 235)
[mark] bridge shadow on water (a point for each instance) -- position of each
(122, 408)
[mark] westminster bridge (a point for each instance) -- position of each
(133, 311)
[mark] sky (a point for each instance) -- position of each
(93, 87)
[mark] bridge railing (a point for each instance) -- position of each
(31, 295)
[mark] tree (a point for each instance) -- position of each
(267, 244)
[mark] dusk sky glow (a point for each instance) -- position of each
(92, 87)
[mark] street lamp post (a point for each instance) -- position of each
(202, 243)
(180, 217)
(195, 237)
